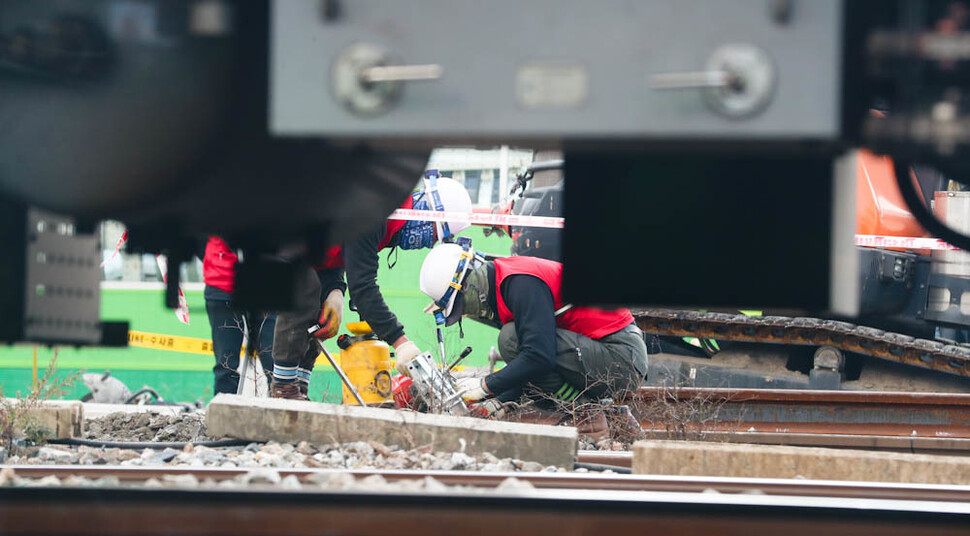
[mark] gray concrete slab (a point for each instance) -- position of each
(265, 419)
(690, 458)
(61, 418)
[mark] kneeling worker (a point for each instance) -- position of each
(574, 354)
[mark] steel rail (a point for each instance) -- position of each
(929, 416)
(545, 481)
(109, 511)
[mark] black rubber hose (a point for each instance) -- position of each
(143, 390)
(149, 444)
(600, 467)
(922, 214)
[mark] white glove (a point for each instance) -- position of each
(487, 409)
(404, 354)
(471, 389)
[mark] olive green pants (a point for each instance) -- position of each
(610, 367)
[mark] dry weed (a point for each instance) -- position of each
(15, 415)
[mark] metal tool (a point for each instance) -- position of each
(493, 358)
(439, 319)
(245, 359)
(435, 386)
(336, 366)
(461, 357)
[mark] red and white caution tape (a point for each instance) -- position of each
(903, 242)
(121, 242)
(476, 218)
(550, 222)
(182, 311)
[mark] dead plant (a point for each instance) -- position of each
(672, 414)
(16, 418)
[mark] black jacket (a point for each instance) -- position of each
(361, 260)
(534, 314)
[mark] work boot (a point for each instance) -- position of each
(591, 423)
(289, 391)
(624, 427)
(533, 415)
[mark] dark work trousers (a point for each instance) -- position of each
(227, 337)
(293, 347)
(611, 367)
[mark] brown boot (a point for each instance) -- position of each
(289, 391)
(591, 423)
(624, 427)
(533, 415)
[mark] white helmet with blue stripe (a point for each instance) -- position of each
(445, 195)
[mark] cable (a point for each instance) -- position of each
(149, 444)
(599, 467)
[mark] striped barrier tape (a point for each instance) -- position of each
(196, 345)
(549, 222)
(190, 345)
(903, 242)
(171, 343)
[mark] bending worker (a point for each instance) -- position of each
(295, 351)
(572, 354)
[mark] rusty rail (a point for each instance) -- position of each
(927, 420)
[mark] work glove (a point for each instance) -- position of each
(472, 389)
(404, 354)
(331, 315)
(487, 409)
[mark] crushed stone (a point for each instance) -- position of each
(140, 427)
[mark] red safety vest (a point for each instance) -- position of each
(333, 257)
(219, 264)
(589, 321)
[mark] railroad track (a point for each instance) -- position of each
(910, 422)
(542, 481)
(560, 503)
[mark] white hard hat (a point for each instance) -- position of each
(442, 274)
(453, 197)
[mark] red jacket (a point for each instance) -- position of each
(219, 264)
(589, 321)
(333, 257)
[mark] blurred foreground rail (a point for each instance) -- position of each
(560, 503)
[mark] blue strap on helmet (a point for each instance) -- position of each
(431, 186)
(468, 255)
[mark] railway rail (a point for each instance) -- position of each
(560, 503)
(544, 481)
(914, 422)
